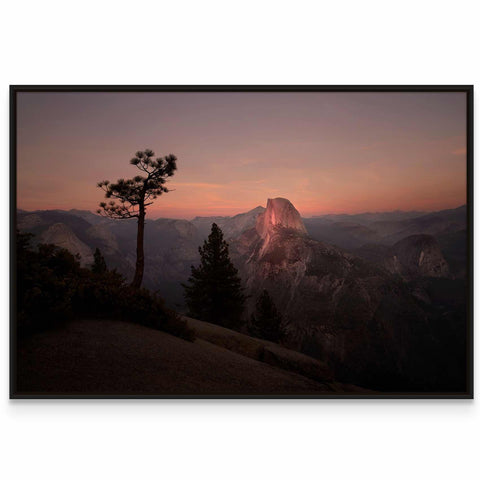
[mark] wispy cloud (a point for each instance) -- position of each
(460, 151)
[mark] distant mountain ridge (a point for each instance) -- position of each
(366, 218)
(171, 245)
(231, 226)
(356, 230)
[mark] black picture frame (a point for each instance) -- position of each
(15, 89)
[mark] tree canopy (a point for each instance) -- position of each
(130, 196)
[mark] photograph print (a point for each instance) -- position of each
(241, 242)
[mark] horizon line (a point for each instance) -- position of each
(249, 210)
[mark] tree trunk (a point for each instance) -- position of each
(139, 266)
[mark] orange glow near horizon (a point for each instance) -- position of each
(325, 152)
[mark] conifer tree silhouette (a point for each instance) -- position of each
(99, 265)
(214, 293)
(131, 197)
(266, 322)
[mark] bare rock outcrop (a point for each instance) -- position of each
(104, 239)
(62, 236)
(280, 213)
(417, 256)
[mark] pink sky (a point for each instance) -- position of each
(325, 152)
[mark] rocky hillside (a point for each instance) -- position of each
(61, 235)
(416, 255)
(411, 258)
(357, 317)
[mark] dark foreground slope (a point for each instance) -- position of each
(111, 357)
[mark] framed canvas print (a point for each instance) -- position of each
(241, 241)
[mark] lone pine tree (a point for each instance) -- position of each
(133, 196)
(214, 293)
(266, 322)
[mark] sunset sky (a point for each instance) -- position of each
(325, 152)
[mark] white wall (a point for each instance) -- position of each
(216, 42)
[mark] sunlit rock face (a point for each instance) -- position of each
(336, 306)
(280, 213)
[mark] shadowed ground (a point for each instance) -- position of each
(98, 356)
